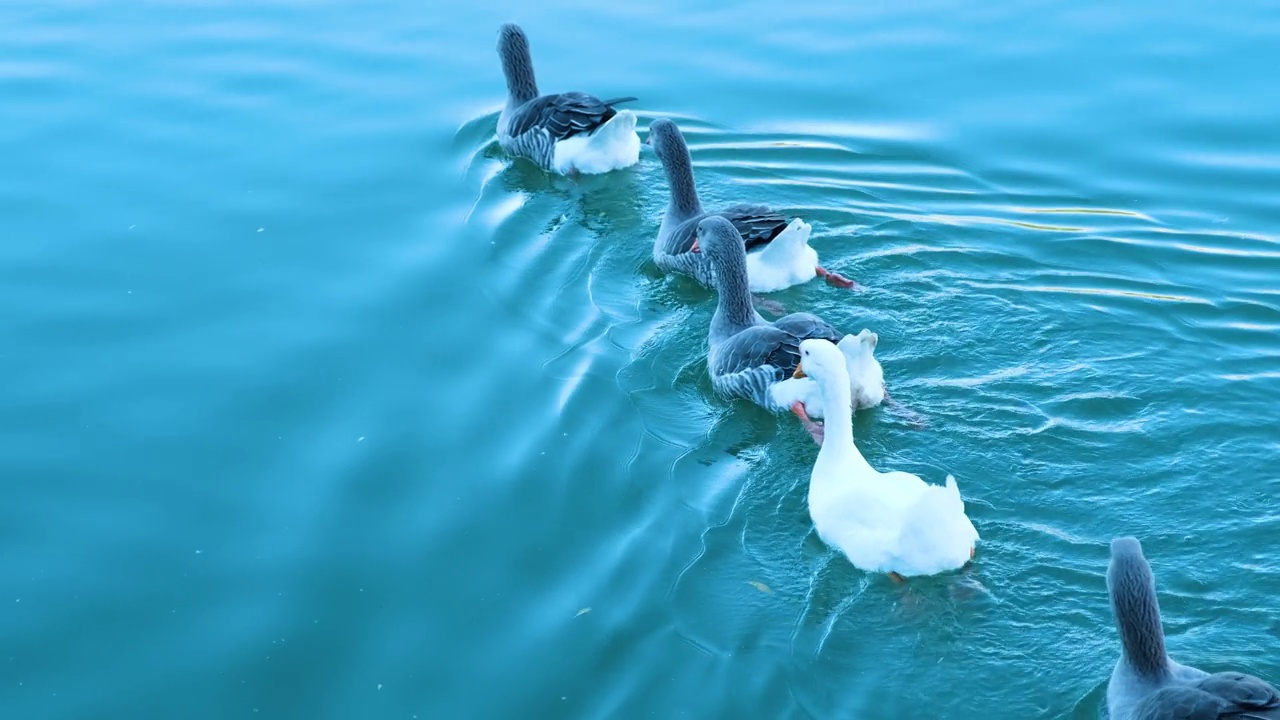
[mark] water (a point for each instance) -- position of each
(316, 406)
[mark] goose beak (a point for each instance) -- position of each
(799, 373)
(694, 248)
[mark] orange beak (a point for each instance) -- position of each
(694, 247)
(799, 373)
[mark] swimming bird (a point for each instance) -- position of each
(890, 522)
(778, 251)
(753, 358)
(1146, 683)
(566, 133)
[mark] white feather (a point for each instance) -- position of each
(612, 146)
(785, 261)
(866, 379)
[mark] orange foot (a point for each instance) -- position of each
(973, 551)
(896, 577)
(816, 430)
(834, 279)
(797, 407)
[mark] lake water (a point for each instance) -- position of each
(316, 406)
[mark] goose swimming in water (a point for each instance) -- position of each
(1146, 683)
(890, 522)
(778, 251)
(755, 359)
(566, 133)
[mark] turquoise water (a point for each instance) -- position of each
(316, 406)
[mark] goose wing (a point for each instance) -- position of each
(564, 115)
(1215, 697)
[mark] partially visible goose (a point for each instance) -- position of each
(891, 522)
(565, 133)
(755, 359)
(1146, 684)
(778, 251)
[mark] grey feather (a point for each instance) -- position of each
(756, 224)
(1221, 695)
(561, 116)
(1146, 684)
(747, 353)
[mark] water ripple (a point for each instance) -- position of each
(310, 386)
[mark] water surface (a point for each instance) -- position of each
(317, 406)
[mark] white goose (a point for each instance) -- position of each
(890, 522)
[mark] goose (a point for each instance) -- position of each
(752, 358)
(890, 522)
(1146, 683)
(566, 133)
(778, 251)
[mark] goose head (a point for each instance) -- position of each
(824, 362)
